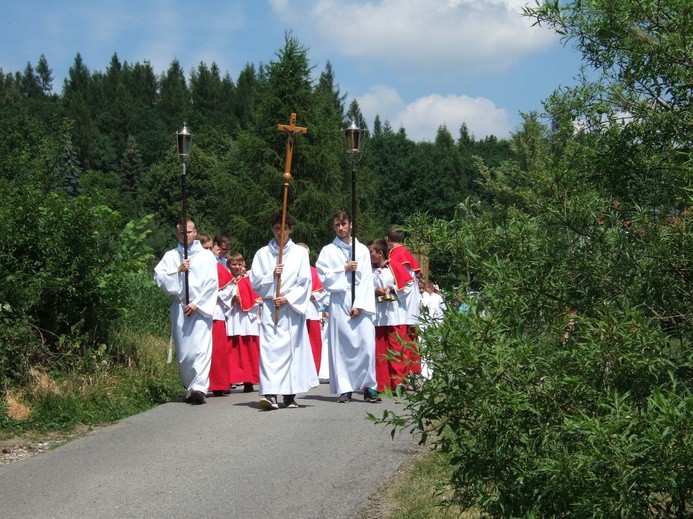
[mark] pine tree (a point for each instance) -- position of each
(29, 84)
(131, 168)
(246, 90)
(174, 104)
(68, 170)
(45, 76)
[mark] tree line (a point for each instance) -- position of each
(109, 135)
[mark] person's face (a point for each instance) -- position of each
(236, 267)
(342, 228)
(187, 237)
(220, 250)
(209, 244)
(376, 256)
(277, 231)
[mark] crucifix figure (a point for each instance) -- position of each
(290, 129)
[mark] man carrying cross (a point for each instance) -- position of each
(280, 275)
(286, 359)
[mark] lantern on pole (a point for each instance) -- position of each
(184, 148)
(355, 138)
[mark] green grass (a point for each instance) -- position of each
(103, 394)
(420, 490)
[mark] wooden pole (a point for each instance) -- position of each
(290, 129)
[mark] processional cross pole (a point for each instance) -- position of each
(290, 129)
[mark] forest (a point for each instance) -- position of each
(110, 136)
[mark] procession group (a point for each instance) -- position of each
(267, 325)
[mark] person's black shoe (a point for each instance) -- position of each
(290, 401)
(371, 395)
(344, 398)
(197, 398)
(248, 387)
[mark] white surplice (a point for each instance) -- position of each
(286, 359)
(351, 341)
(192, 335)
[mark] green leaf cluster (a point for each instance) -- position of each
(562, 374)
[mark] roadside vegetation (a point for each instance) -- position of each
(566, 390)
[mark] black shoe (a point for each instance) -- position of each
(269, 402)
(290, 401)
(197, 398)
(219, 392)
(344, 397)
(371, 395)
(248, 387)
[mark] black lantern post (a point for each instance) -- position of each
(184, 148)
(355, 138)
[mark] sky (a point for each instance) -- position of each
(418, 64)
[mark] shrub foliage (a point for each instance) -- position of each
(67, 267)
(566, 391)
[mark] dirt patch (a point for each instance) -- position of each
(20, 448)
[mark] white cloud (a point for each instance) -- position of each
(380, 100)
(422, 117)
(484, 35)
(430, 49)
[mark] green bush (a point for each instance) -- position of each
(66, 269)
(567, 390)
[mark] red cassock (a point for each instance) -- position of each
(390, 367)
(219, 373)
(314, 326)
(244, 359)
(400, 258)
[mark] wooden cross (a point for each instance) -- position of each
(291, 129)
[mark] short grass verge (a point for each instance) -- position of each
(420, 490)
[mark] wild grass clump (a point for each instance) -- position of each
(63, 401)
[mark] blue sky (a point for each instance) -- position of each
(418, 64)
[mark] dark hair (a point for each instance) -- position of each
(395, 233)
(341, 216)
(222, 238)
(276, 218)
(380, 245)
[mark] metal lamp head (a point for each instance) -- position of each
(355, 138)
(184, 143)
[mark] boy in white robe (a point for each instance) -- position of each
(286, 360)
(191, 322)
(351, 331)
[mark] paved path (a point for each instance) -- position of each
(226, 458)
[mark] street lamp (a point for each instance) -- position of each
(355, 138)
(184, 148)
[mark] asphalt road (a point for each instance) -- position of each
(226, 458)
